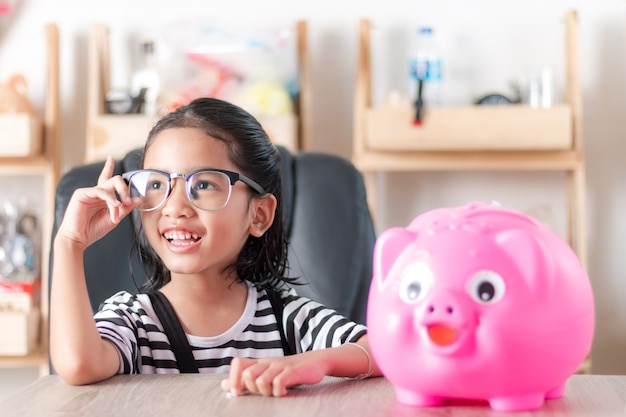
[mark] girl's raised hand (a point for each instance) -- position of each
(94, 211)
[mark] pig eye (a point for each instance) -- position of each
(486, 287)
(415, 283)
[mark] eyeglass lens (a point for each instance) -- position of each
(207, 190)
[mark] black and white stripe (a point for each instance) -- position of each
(129, 322)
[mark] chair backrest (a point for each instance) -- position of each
(326, 216)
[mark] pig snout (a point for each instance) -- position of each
(445, 319)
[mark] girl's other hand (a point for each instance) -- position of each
(272, 376)
(94, 211)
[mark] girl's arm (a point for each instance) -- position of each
(79, 355)
(272, 376)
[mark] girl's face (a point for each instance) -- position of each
(190, 240)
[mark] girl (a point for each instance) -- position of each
(209, 198)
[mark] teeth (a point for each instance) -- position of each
(180, 236)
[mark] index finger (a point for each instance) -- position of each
(237, 366)
(107, 170)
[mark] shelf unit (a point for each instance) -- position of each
(479, 138)
(111, 134)
(507, 138)
(47, 166)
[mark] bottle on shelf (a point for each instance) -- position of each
(147, 77)
(426, 71)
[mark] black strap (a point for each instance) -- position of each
(277, 306)
(174, 331)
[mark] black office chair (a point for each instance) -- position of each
(326, 216)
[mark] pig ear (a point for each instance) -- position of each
(389, 245)
(531, 258)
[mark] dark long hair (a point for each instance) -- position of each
(263, 260)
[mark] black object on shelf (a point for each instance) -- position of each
(493, 100)
(124, 103)
(419, 104)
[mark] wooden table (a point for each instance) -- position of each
(200, 395)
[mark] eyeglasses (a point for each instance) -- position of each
(207, 189)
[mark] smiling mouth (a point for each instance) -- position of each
(181, 238)
(442, 335)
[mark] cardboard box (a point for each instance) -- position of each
(19, 332)
(16, 293)
(482, 128)
(20, 135)
(16, 301)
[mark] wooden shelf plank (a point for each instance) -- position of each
(473, 161)
(36, 165)
(38, 358)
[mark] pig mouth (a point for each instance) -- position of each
(442, 335)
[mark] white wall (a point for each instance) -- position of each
(486, 42)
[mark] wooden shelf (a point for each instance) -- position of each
(478, 128)
(46, 164)
(110, 134)
(506, 138)
(477, 138)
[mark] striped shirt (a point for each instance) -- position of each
(130, 323)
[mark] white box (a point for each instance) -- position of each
(19, 332)
(16, 301)
(20, 135)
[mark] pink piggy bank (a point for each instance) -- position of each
(478, 303)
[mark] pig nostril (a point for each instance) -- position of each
(449, 310)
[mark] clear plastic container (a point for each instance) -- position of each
(425, 67)
(147, 76)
